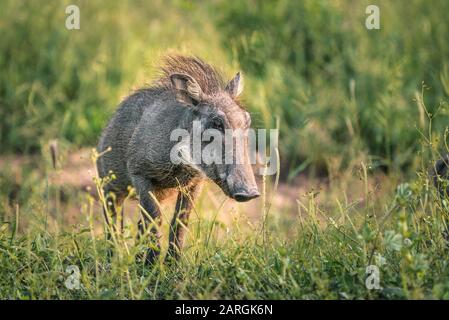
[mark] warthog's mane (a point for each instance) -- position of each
(208, 78)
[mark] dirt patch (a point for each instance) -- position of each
(75, 174)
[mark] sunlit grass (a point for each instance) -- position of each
(319, 251)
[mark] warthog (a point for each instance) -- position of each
(440, 175)
(439, 172)
(138, 136)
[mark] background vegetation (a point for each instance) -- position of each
(364, 111)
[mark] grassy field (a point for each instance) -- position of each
(319, 251)
(362, 115)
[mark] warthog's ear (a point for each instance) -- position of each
(235, 86)
(186, 88)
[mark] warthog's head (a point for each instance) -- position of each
(224, 126)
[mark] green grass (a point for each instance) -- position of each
(319, 251)
(315, 262)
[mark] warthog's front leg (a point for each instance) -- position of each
(184, 205)
(150, 220)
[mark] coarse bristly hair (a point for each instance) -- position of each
(207, 77)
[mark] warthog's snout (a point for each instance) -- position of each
(245, 195)
(241, 183)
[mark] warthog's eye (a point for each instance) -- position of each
(217, 124)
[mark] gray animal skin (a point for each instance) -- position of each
(138, 136)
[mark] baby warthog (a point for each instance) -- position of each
(440, 175)
(146, 152)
